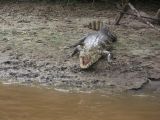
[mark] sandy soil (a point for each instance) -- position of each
(33, 37)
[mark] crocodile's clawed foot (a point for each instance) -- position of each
(109, 58)
(109, 55)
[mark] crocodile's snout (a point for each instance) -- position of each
(85, 61)
(87, 58)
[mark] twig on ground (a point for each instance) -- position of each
(125, 8)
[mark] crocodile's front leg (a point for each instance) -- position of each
(109, 55)
(76, 50)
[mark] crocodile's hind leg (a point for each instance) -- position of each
(76, 50)
(80, 42)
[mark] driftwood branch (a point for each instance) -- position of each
(68, 2)
(134, 9)
(93, 2)
(139, 16)
(156, 19)
(125, 8)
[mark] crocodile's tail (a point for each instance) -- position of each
(95, 25)
(101, 26)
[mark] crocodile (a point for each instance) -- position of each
(93, 46)
(95, 25)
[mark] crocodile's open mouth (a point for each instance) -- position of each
(85, 61)
(88, 58)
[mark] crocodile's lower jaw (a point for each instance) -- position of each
(88, 60)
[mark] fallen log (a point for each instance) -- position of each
(152, 18)
(139, 16)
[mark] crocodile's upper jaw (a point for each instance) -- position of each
(86, 60)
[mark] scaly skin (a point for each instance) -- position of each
(92, 47)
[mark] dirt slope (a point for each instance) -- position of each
(33, 37)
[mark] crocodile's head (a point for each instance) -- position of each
(88, 58)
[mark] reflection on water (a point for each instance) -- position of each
(22, 103)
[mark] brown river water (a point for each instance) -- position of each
(28, 103)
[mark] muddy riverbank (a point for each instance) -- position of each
(33, 37)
